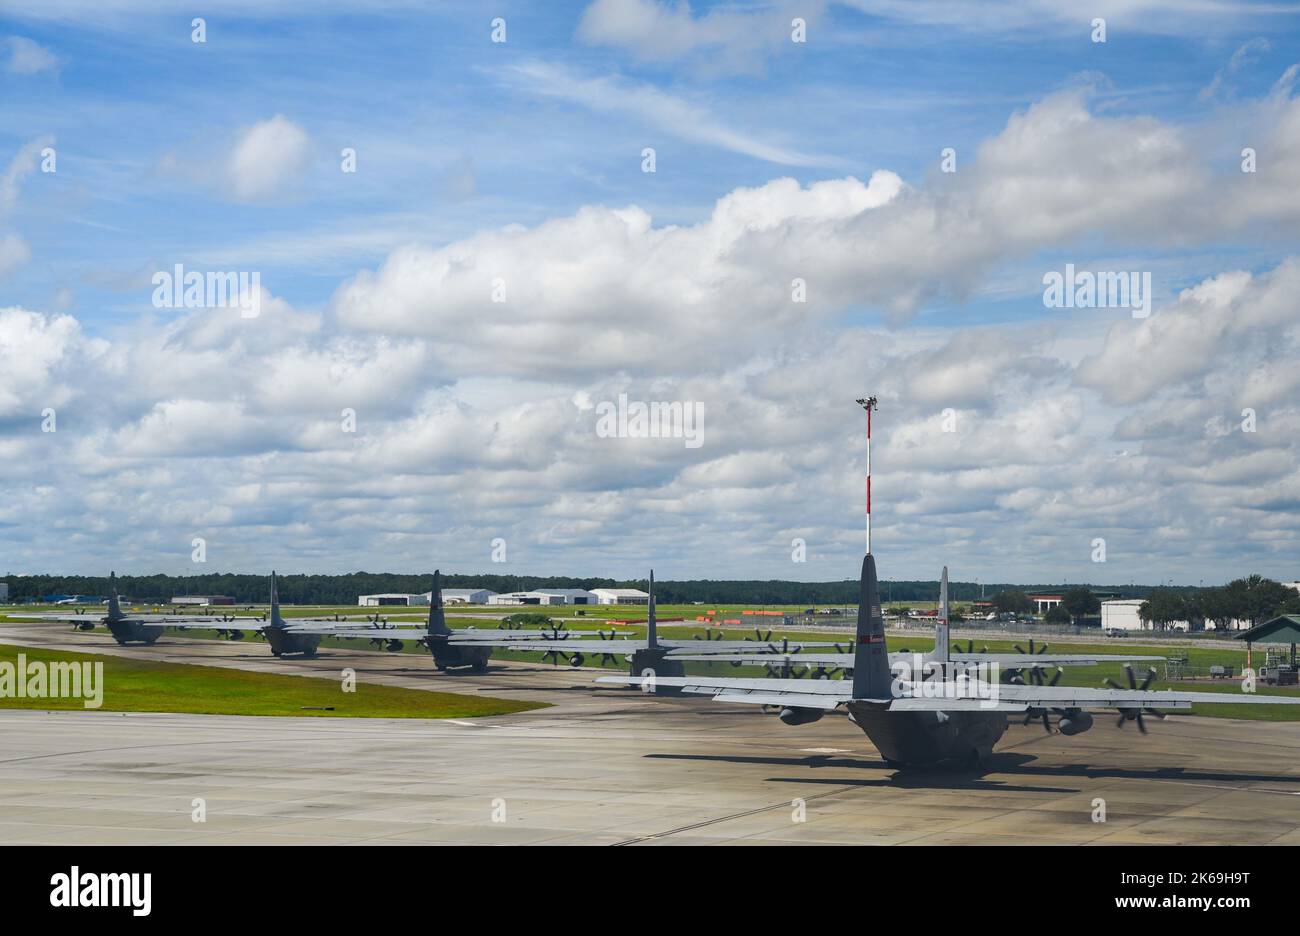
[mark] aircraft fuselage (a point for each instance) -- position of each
(929, 737)
(448, 655)
(129, 632)
(283, 642)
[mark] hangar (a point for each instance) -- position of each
(544, 596)
(391, 598)
(205, 600)
(617, 596)
(463, 596)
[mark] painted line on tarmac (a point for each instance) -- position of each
(740, 815)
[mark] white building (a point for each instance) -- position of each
(476, 596)
(392, 598)
(544, 596)
(1122, 614)
(514, 598)
(571, 596)
(203, 600)
(1045, 603)
(620, 596)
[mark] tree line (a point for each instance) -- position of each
(344, 589)
(1250, 600)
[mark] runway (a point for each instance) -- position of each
(605, 767)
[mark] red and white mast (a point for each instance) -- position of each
(868, 404)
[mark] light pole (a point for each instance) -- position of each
(868, 404)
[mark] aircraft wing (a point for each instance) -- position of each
(1025, 660)
(167, 619)
(828, 694)
(572, 645)
(748, 647)
(487, 638)
(1077, 697)
(1005, 660)
(824, 694)
(771, 659)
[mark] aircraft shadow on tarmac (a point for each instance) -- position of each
(1014, 764)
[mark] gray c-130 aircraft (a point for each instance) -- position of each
(291, 636)
(456, 649)
(909, 724)
(298, 636)
(941, 661)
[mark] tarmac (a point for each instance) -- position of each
(604, 766)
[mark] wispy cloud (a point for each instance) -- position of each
(1246, 54)
(27, 57)
(657, 109)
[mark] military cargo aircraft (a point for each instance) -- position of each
(457, 649)
(916, 721)
(134, 628)
(942, 660)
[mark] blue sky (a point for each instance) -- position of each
(458, 137)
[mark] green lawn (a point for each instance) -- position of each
(148, 686)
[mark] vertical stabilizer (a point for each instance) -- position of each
(871, 674)
(114, 609)
(437, 618)
(652, 627)
(941, 622)
(276, 620)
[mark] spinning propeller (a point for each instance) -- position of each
(1036, 675)
(1135, 714)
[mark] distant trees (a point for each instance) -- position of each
(1080, 602)
(1162, 607)
(1256, 599)
(1013, 601)
(1057, 614)
(1250, 600)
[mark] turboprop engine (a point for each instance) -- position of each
(1073, 722)
(800, 716)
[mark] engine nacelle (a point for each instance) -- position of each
(1074, 722)
(394, 646)
(577, 659)
(800, 716)
(236, 635)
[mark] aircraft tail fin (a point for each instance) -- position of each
(871, 674)
(652, 626)
(276, 620)
(941, 622)
(114, 608)
(437, 618)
